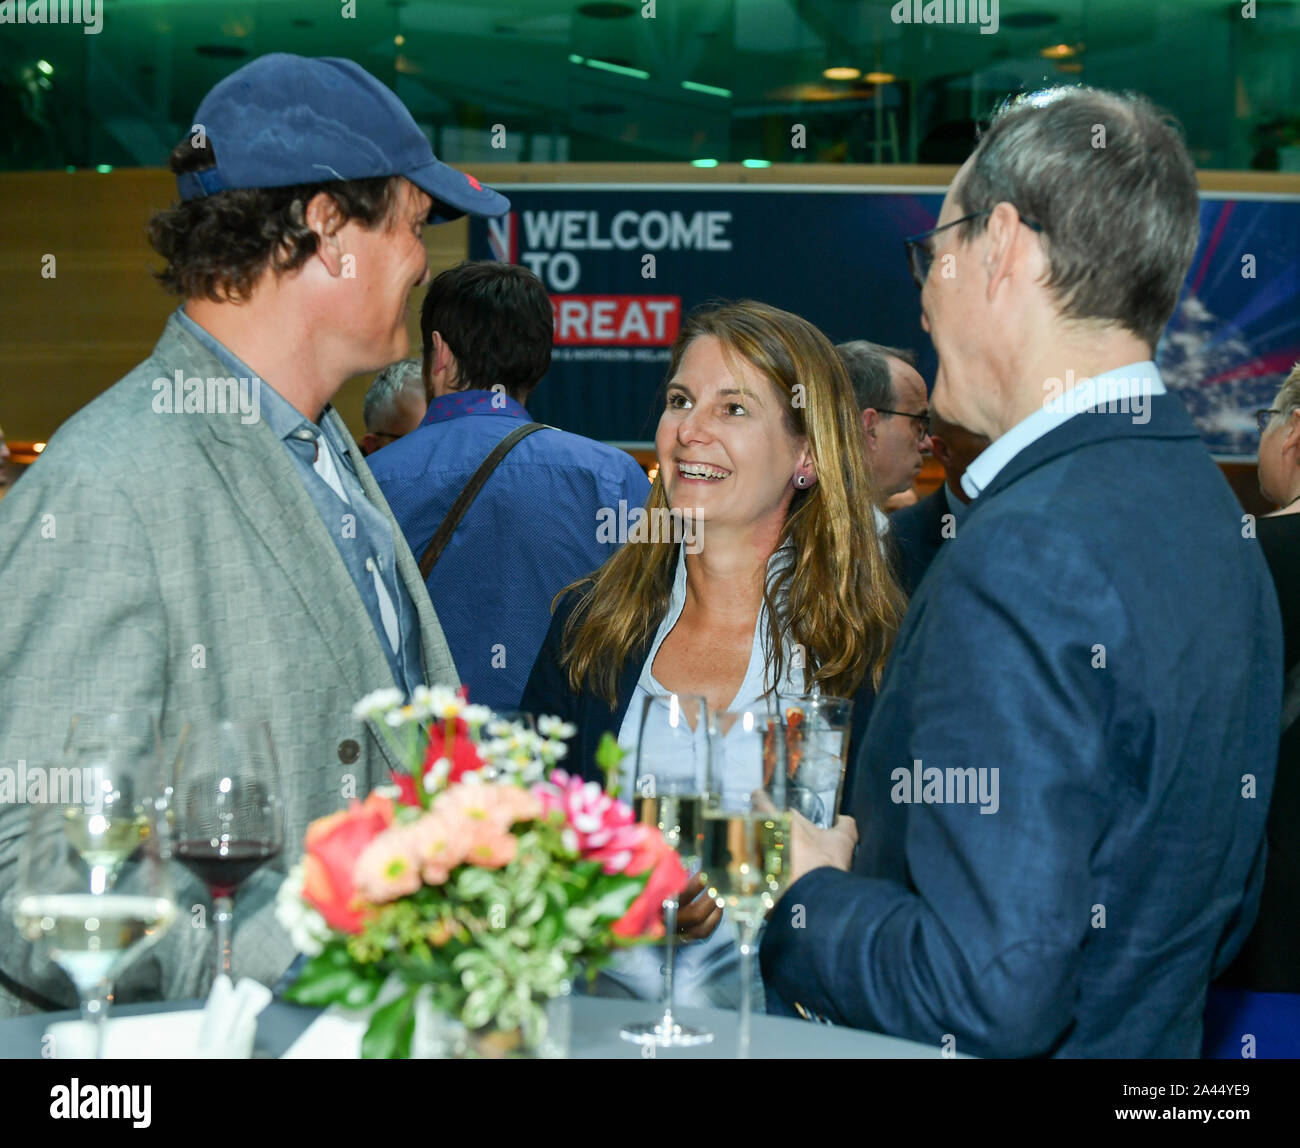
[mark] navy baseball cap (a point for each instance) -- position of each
(283, 120)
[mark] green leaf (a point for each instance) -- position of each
(608, 755)
(391, 1026)
(333, 977)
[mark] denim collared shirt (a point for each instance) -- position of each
(1125, 390)
(360, 531)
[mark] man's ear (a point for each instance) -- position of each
(369, 443)
(323, 216)
(870, 420)
(1003, 234)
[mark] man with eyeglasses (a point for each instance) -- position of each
(1068, 769)
(895, 415)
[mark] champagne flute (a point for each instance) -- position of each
(92, 888)
(746, 840)
(228, 814)
(672, 760)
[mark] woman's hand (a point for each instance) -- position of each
(698, 914)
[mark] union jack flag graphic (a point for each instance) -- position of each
(503, 238)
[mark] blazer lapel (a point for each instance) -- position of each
(268, 492)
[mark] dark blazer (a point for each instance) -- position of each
(917, 534)
(548, 692)
(1100, 633)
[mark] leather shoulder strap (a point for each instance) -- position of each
(458, 508)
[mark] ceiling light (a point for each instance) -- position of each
(704, 163)
(399, 39)
(755, 163)
(1060, 51)
(880, 77)
(46, 67)
(104, 168)
(618, 69)
(842, 73)
(707, 89)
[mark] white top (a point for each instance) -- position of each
(706, 973)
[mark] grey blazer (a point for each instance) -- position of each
(174, 562)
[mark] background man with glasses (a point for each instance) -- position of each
(1099, 642)
(895, 415)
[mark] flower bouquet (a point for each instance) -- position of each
(483, 877)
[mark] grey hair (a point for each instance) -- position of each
(1288, 397)
(1119, 210)
(868, 367)
(384, 389)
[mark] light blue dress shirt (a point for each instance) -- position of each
(1125, 391)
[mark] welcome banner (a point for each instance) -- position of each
(625, 263)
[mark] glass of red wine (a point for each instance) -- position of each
(228, 817)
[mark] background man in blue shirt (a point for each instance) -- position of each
(487, 331)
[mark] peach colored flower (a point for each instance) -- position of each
(499, 806)
(493, 849)
(387, 868)
(440, 843)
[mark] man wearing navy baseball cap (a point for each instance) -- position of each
(204, 541)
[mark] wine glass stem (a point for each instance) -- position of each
(670, 936)
(94, 1011)
(223, 909)
(747, 934)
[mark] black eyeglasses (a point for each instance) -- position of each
(920, 253)
(1264, 417)
(923, 419)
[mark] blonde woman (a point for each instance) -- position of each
(778, 586)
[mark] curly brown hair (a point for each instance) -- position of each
(220, 245)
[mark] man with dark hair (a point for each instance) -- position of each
(394, 405)
(919, 532)
(532, 528)
(1094, 662)
(895, 420)
(204, 541)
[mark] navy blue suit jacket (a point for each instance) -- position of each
(548, 692)
(1122, 867)
(917, 536)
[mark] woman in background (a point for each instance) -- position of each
(779, 585)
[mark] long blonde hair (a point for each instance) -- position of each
(840, 602)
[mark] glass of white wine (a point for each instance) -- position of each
(746, 838)
(93, 890)
(672, 770)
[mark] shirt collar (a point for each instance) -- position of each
(456, 404)
(1112, 387)
(276, 411)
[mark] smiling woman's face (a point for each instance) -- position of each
(723, 442)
